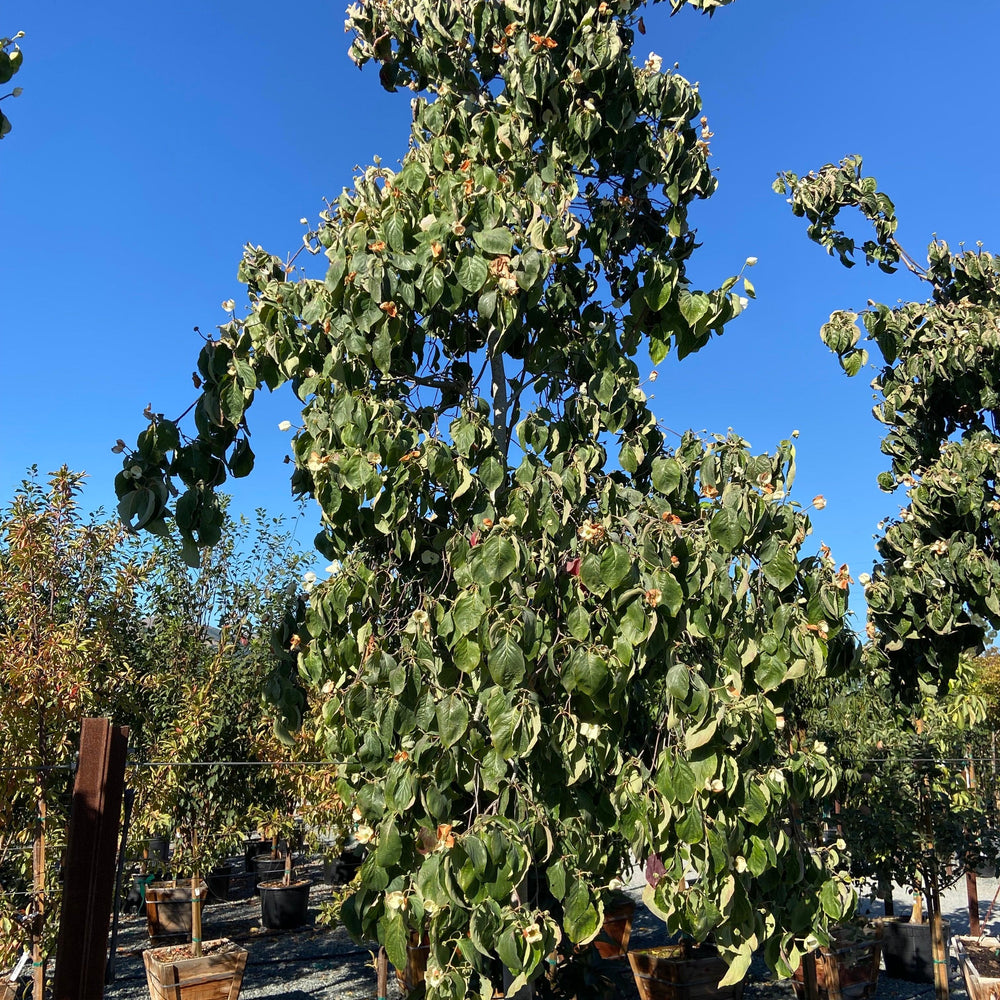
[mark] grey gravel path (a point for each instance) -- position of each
(317, 963)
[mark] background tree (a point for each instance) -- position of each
(903, 805)
(522, 567)
(982, 744)
(203, 660)
(933, 594)
(67, 599)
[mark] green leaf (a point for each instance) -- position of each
(452, 719)
(829, 897)
(556, 875)
(590, 574)
(666, 475)
(690, 827)
(738, 965)
(491, 475)
(698, 736)
(467, 655)
(585, 672)
(390, 847)
(231, 400)
(578, 622)
(853, 363)
(615, 565)
(671, 592)
(678, 681)
(580, 915)
(472, 272)
(433, 285)
(497, 558)
(725, 528)
(507, 949)
(693, 307)
(467, 613)
(395, 232)
(477, 853)
(506, 662)
(137, 509)
(770, 672)
(779, 570)
(395, 938)
(494, 241)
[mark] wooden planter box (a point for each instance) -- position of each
(417, 953)
(681, 972)
(168, 911)
(978, 987)
(613, 940)
(848, 970)
(217, 975)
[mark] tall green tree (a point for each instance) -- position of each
(550, 640)
(67, 600)
(934, 592)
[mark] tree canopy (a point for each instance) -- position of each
(551, 639)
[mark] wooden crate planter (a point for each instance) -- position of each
(168, 911)
(681, 972)
(848, 970)
(978, 987)
(613, 940)
(216, 975)
(417, 953)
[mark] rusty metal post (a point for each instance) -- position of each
(109, 975)
(91, 847)
(971, 886)
(809, 981)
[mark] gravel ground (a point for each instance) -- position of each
(316, 963)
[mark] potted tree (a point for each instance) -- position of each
(204, 658)
(906, 815)
(284, 899)
(69, 612)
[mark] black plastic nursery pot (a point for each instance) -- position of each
(157, 849)
(906, 949)
(252, 849)
(267, 870)
(283, 907)
(218, 881)
(341, 869)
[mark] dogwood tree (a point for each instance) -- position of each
(552, 639)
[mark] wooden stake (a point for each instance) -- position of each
(39, 903)
(195, 897)
(972, 890)
(382, 974)
(938, 953)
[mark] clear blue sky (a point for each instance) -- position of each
(153, 140)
